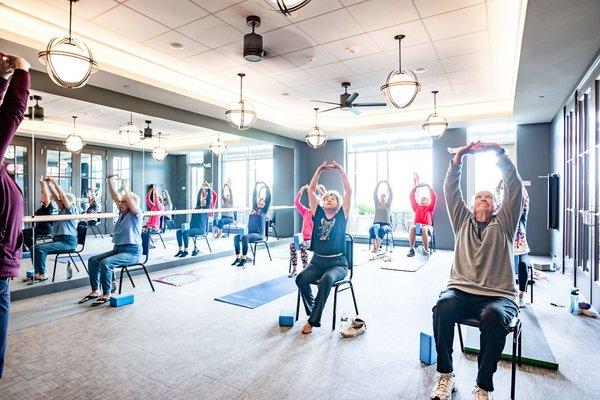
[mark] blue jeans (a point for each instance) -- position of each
(183, 237)
(58, 244)
(4, 313)
(327, 276)
(244, 240)
(221, 222)
(101, 266)
(383, 230)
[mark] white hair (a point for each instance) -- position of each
(337, 195)
(71, 197)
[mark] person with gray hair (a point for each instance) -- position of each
(64, 232)
(328, 264)
(482, 281)
(127, 239)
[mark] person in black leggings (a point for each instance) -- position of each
(256, 223)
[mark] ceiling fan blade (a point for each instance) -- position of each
(325, 102)
(355, 112)
(329, 109)
(352, 97)
(369, 105)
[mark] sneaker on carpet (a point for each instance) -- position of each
(480, 394)
(351, 331)
(444, 387)
(178, 253)
(242, 262)
(292, 274)
(183, 254)
(237, 260)
(411, 253)
(195, 252)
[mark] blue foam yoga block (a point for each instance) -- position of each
(121, 300)
(30, 273)
(427, 352)
(287, 318)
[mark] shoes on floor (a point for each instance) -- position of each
(480, 394)
(292, 274)
(242, 262)
(444, 387)
(411, 253)
(237, 260)
(195, 252)
(357, 328)
(183, 254)
(178, 253)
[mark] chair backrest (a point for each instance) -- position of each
(273, 217)
(81, 234)
(146, 244)
(235, 214)
(349, 253)
(267, 225)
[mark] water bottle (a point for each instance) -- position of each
(574, 306)
(69, 270)
(344, 319)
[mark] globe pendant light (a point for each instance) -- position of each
(74, 142)
(130, 131)
(316, 138)
(402, 85)
(435, 125)
(68, 61)
(240, 114)
(289, 8)
(218, 147)
(159, 153)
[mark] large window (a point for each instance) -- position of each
(59, 165)
(122, 167)
(16, 160)
(483, 174)
(244, 166)
(92, 175)
(371, 159)
(196, 168)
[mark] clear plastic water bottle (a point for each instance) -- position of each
(344, 319)
(574, 306)
(69, 270)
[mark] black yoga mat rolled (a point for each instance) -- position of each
(553, 201)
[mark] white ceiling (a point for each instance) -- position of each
(470, 49)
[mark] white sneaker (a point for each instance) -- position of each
(357, 328)
(480, 394)
(522, 303)
(444, 387)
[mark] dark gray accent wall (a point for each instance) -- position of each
(533, 158)
(456, 137)
(283, 189)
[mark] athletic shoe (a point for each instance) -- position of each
(480, 394)
(353, 331)
(522, 303)
(292, 274)
(237, 260)
(195, 252)
(183, 254)
(242, 262)
(423, 251)
(411, 253)
(178, 253)
(444, 387)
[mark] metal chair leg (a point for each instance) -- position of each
(514, 364)
(83, 263)
(162, 241)
(298, 306)
(148, 276)
(335, 293)
(460, 338)
(121, 279)
(54, 271)
(207, 243)
(130, 278)
(74, 263)
(268, 251)
(253, 248)
(353, 298)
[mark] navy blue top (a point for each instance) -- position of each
(329, 235)
(256, 221)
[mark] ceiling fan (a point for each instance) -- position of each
(347, 102)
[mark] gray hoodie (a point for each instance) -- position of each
(483, 261)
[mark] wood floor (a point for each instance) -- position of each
(178, 343)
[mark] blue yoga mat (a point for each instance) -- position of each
(258, 295)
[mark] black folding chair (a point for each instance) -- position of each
(155, 232)
(271, 223)
(95, 228)
(137, 265)
(517, 331)
(81, 235)
(205, 237)
(234, 224)
(340, 285)
(263, 241)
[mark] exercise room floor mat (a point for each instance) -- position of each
(535, 348)
(183, 278)
(263, 293)
(50, 312)
(400, 262)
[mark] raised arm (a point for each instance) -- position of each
(111, 188)
(44, 193)
(13, 107)
(457, 209)
(299, 206)
(411, 197)
(133, 205)
(255, 195)
(60, 193)
(390, 194)
(433, 199)
(375, 193)
(267, 199)
(512, 201)
(313, 201)
(347, 188)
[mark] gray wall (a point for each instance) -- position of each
(455, 137)
(533, 158)
(283, 189)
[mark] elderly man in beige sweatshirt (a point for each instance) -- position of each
(482, 282)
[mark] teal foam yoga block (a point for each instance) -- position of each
(30, 273)
(427, 352)
(121, 300)
(286, 318)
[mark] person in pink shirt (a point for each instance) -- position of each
(307, 228)
(154, 203)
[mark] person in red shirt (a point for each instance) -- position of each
(423, 208)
